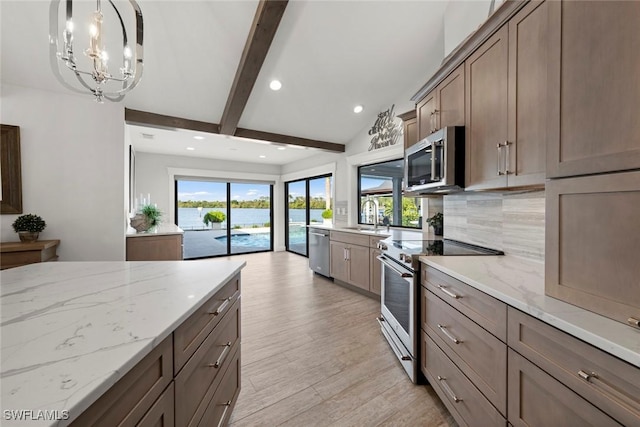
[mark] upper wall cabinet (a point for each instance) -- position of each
(594, 87)
(409, 127)
(506, 104)
(443, 106)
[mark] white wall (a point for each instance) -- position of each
(461, 18)
(73, 170)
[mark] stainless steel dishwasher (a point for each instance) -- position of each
(319, 251)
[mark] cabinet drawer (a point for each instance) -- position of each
(219, 409)
(190, 334)
(162, 413)
(481, 356)
(544, 402)
(615, 389)
(197, 382)
(464, 401)
(483, 309)
(350, 238)
(130, 398)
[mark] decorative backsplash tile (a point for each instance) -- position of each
(513, 223)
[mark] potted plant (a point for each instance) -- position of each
(437, 222)
(326, 216)
(29, 227)
(214, 218)
(148, 216)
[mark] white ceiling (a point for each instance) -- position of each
(329, 55)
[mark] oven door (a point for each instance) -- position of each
(399, 301)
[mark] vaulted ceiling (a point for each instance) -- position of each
(329, 56)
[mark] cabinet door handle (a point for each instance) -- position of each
(448, 334)
(446, 388)
(221, 307)
(227, 405)
(633, 322)
(498, 159)
(507, 161)
(222, 356)
(348, 254)
(448, 292)
(611, 390)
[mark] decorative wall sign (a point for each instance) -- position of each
(385, 130)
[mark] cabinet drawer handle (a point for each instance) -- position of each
(595, 380)
(448, 334)
(222, 356)
(446, 388)
(226, 405)
(448, 292)
(633, 322)
(221, 307)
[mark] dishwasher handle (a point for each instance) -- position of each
(319, 234)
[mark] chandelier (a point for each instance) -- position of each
(92, 73)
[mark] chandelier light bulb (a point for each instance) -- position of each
(127, 52)
(69, 26)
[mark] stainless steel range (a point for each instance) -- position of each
(399, 320)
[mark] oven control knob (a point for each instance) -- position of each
(382, 246)
(406, 258)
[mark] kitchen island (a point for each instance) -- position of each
(70, 331)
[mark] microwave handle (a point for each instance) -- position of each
(433, 161)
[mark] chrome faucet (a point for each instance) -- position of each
(375, 207)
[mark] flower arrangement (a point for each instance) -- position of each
(29, 222)
(437, 222)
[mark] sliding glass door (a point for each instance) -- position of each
(309, 202)
(224, 218)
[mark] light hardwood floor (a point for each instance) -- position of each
(313, 355)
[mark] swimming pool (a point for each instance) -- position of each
(260, 240)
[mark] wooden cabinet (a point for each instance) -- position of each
(154, 247)
(593, 87)
(479, 357)
(410, 128)
(354, 260)
(506, 104)
(16, 254)
(199, 389)
(443, 106)
(550, 377)
(593, 242)
(544, 402)
(607, 382)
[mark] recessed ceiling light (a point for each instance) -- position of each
(282, 148)
(263, 157)
(358, 109)
(198, 137)
(190, 148)
(275, 85)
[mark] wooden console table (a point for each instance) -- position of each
(15, 254)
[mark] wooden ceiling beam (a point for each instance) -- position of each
(263, 30)
(144, 118)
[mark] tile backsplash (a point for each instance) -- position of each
(513, 223)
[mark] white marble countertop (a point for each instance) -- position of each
(520, 283)
(70, 330)
(395, 233)
(158, 230)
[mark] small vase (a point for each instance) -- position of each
(140, 222)
(28, 236)
(437, 231)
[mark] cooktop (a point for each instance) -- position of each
(444, 247)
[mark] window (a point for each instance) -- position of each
(381, 198)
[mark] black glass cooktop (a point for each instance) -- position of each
(445, 247)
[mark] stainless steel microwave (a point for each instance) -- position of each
(436, 163)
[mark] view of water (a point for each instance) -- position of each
(191, 219)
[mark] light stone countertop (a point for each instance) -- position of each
(395, 233)
(71, 330)
(520, 283)
(159, 230)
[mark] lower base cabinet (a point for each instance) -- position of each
(191, 379)
(553, 379)
(538, 399)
